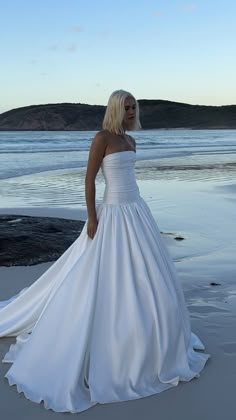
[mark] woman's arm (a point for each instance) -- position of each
(132, 142)
(94, 162)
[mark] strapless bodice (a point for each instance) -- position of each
(119, 174)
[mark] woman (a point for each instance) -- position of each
(120, 115)
(107, 322)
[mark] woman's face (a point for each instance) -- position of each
(130, 113)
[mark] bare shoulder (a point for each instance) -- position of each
(99, 142)
(100, 138)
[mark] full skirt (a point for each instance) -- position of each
(106, 322)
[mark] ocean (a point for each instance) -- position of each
(48, 168)
(187, 177)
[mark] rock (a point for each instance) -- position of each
(27, 240)
(179, 238)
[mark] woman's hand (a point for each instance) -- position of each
(92, 227)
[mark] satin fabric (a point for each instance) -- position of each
(107, 321)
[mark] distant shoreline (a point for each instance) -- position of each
(143, 129)
(154, 115)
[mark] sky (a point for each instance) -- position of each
(80, 51)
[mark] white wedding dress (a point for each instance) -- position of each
(107, 321)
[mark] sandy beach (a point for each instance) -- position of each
(188, 180)
(213, 318)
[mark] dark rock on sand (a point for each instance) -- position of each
(177, 238)
(26, 240)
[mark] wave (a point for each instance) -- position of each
(40, 150)
(16, 173)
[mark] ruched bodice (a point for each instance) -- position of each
(119, 175)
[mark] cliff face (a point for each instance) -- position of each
(166, 114)
(153, 114)
(53, 117)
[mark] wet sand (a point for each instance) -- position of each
(213, 317)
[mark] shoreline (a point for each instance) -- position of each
(213, 314)
(23, 233)
(143, 129)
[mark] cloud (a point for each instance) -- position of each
(105, 33)
(158, 13)
(57, 48)
(76, 29)
(189, 7)
(71, 48)
(54, 47)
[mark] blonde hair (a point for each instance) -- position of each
(115, 112)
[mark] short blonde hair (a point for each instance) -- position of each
(115, 112)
